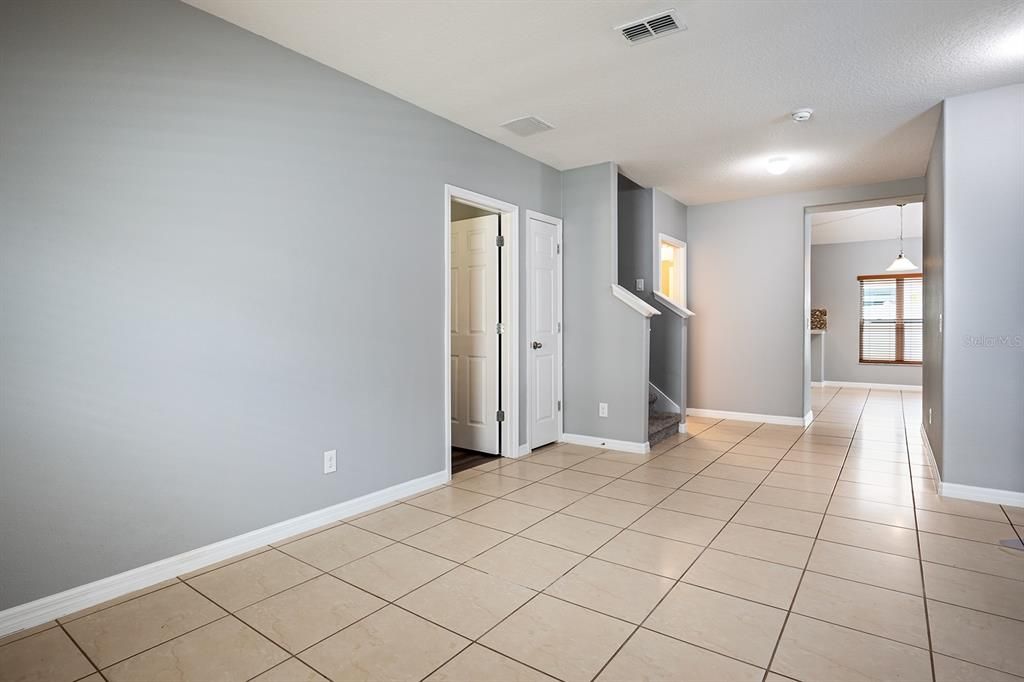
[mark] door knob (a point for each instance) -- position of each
(536, 345)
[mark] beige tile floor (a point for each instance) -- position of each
(741, 552)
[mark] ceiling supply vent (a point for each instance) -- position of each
(651, 27)
(526, 126)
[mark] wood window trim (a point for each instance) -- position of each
(900, 336)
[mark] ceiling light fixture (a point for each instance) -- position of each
(1011, 47)
(902, 263)
(777, 165)
(801, 115)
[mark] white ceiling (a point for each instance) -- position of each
(695, 113)
(866, 224)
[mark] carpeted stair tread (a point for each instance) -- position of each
(661, 425)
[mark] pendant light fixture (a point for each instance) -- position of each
(902, 263)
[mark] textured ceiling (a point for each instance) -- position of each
(866, 224)
(696, 113)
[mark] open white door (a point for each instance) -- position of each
(544, 237)
(474, 330)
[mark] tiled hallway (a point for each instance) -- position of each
(744, 548)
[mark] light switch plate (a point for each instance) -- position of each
(330, 461)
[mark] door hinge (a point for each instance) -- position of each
(500, 240)
(500, 416)
(558, 248)
(500, 327)
(559, 405)
(559, 327)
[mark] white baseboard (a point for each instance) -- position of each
(877, 387)
(817, 384)
(808, 418)
(746, 416)
(610, 444)
(672, 407)
(524, 450)
(84, 596)
(1011, 498)
(969, 492)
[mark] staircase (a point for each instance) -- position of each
(660, 425)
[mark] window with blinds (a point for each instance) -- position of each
(891, 319)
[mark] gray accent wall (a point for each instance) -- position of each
(645, 213)
(933, 249)
(635, 213)
(604, 340)
(747, 286)
(983, 289)
(668, 330)
(834, 286)
(218, 259)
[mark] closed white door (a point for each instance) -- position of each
(474, 320)
(545, 283)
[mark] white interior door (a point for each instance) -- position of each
(545, 283)
(474, 320)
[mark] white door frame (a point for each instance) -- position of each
(510, 319)
(557, 222)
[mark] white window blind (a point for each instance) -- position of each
(891, 319)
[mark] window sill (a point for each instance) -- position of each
(888, 363)
(672, 305)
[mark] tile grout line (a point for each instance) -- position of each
(96, 668)
(550, 513)
(700, 554)
(920, 554)
(472, 641)
(803, 572)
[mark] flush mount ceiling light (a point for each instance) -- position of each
(802, 114)
(1010, 47)
(777, 165)
(902, 263)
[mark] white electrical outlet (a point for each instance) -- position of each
(602, 409)
(640, 284)
(330, 461)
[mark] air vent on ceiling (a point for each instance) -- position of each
(648, 28)
(526, 126)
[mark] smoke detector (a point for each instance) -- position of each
(526, 126)
(649, 28)
(801, 115)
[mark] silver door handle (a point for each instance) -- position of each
(537, 344)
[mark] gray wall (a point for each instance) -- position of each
(983, 289)
(834, 286)
(643, 214)
(634, 236)
(932, 266)
(217, 260)
(817, 348)
(746, 287)
(668, 330)
(605, 341)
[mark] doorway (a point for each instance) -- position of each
(864, 310)
(481, 311)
